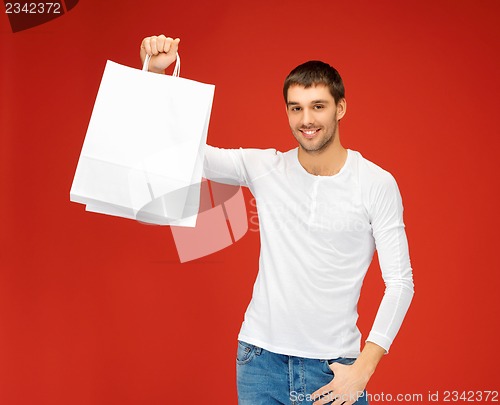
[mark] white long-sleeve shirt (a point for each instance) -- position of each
(318, 236)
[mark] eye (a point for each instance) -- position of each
(295, 109)
(319, 107)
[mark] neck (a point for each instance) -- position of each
(325, 162)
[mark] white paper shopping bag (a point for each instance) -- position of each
(142, 157)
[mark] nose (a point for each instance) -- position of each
(307, 117)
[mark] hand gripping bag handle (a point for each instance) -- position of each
(177, 68)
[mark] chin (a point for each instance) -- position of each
(317, 146)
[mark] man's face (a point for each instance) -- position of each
(313, 116)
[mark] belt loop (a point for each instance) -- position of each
(258, 350)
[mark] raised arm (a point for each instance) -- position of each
(221, 165)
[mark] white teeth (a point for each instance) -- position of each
(309, 132)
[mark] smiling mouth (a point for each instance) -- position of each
(309, 133)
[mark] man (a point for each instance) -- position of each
(323, 210)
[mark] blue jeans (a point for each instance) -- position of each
(266, 378)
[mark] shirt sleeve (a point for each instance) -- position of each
(386, 216)
(238, 166)
(225, 166)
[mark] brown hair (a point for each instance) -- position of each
(313, 73)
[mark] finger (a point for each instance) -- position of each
(325, 389)
(166, 47)
(327, 398)
(154, 47)
(146, 45)
(160, 42)
(322, 396)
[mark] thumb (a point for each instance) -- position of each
(175, 46)
(337, 367)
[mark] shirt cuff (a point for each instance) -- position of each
(381, 340)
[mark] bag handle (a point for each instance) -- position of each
(177, 68)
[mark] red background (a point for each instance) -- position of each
(98, 310)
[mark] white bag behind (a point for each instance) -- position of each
(142, 157)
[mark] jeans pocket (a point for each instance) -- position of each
(341, 360)
(245, 354)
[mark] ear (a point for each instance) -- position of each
(341, 109)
